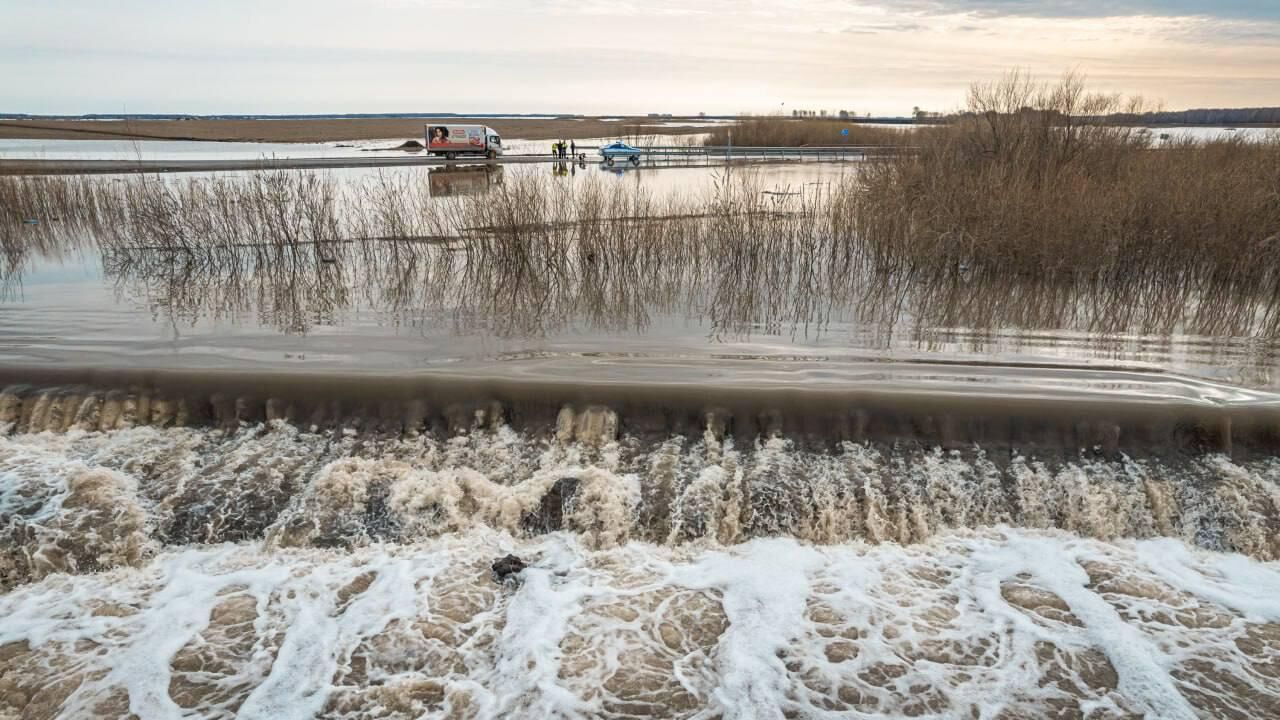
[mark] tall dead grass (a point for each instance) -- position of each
(1019, 186)
(795, 132)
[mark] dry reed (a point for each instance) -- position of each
(1020, 187)
(775, 131)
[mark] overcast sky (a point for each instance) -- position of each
(604, 56)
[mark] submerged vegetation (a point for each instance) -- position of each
(778, 131)
(1016, 215)
(534, 257)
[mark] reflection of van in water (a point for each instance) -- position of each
(463, 180)
(454, 140)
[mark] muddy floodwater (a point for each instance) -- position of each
(574, 441)
(409, 303)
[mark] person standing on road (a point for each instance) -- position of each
(573, 148)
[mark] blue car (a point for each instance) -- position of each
(619, 149)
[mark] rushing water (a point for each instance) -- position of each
(268, 571)
(270, 466)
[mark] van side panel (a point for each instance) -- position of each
(457, 138)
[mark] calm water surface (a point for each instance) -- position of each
(375, 306)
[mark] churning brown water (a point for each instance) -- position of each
(268, 570)
(265, 471)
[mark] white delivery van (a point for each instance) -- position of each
(452, 141)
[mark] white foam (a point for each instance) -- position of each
(320, 638)
(761, 629)
(763, 587)
(524, 679)
(1226, 579)
(1143, 668)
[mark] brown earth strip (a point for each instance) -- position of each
(322, 130)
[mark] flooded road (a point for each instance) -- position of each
(269, 440)
(71, 157)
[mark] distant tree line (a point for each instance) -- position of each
(841, 114)
(1204, 116)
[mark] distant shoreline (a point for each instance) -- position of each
(347, 129)
(332, 129)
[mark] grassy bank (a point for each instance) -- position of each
(791, 132)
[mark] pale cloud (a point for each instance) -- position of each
(897, 27)
(1244, 9)
(615, 55)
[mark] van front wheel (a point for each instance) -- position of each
(492, 155)
(451, 156)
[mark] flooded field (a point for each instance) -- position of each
(382, 278)
(568, 441)
(116, 149)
